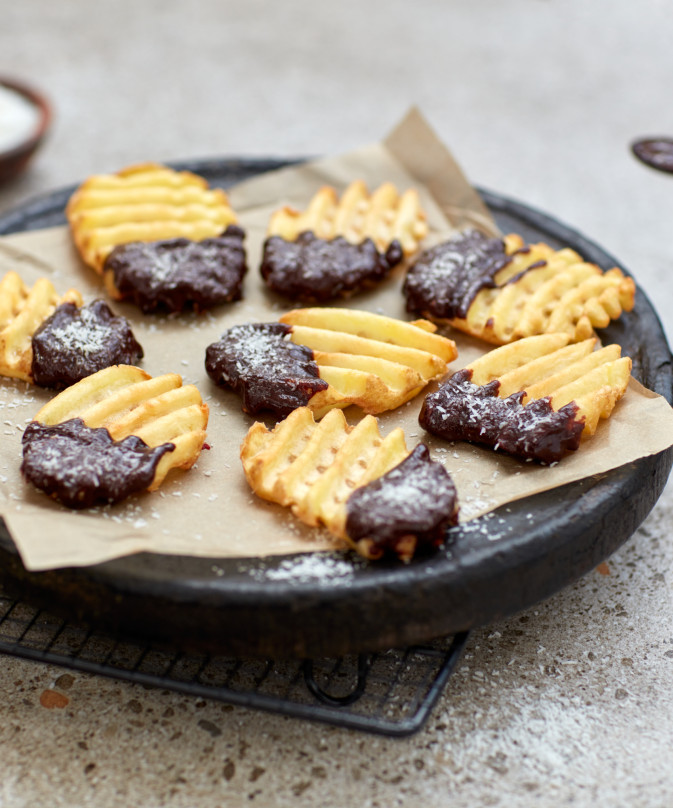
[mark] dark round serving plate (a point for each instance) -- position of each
(490, 568)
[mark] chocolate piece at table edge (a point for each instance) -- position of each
(318, 270)
(265, 368)
(174, 274)
(417, 498)
(460, 410)
(655, 152)
(75, 342)
(82, 467)
(445, 279)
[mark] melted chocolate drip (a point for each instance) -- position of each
(265, 368)
(316, 269)
(76, 342)
(177, 273)
(445, 279)
(416, 498)
(460, 410)
(656, 152)
(82, 467)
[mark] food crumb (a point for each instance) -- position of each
(52, 699)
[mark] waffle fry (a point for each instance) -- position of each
(375, 362)
(547, 366)
(353, 357)
(501, 291)
(536, 398)
(314, 467)
(127, 401)
(22, 312)
(146, 202)
(384, 216)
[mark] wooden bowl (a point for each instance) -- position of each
(15, 159)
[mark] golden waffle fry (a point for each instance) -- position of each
(128, 401)
(315, 468)
(375, 362)
(146, 202)
(548, 366)
(335, 358)
(503, 290)
(535, 399)
(384, 216)
(22, 312)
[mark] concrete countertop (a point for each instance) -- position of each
(568, 703)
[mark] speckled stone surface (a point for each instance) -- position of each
(570, 703)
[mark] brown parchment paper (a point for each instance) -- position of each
(210, 511)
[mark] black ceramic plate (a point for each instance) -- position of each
(490, 568)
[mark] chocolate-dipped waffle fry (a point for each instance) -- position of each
(160, 238)
(54, 340)
(547, 366)
(22, 312)
(501, 290)
(535, 398)
(113, 433)
(366, 489)
(326, 358)
(339, 246)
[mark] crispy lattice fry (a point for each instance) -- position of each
(548, 366)
(334, 358)
(503, 290)
(22, 312)
(535, 399)
(384, 216)
(147, 202)
(314, 468)
(127, 401)
(375, 362)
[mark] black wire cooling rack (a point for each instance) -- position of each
(390, 693)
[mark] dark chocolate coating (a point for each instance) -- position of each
(445, 279)
(656, 152)
(265, 368)
(82, 467)
(318, 270)
(416, 498)
(174, 274)
(460, 410)
(76, 342)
